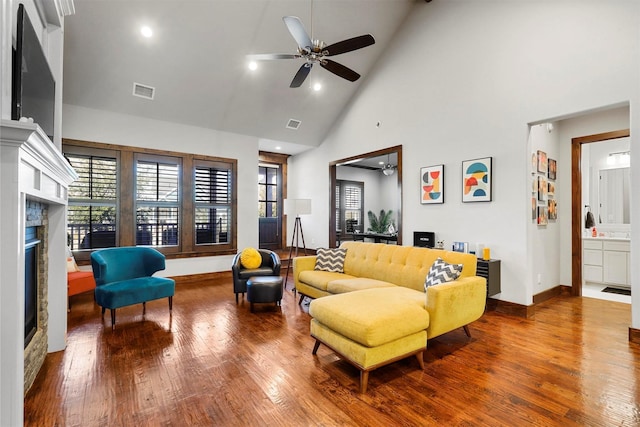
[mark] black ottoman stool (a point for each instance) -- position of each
(261, 289)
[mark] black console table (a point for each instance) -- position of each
(490, 270)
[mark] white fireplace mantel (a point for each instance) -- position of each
(31, 167)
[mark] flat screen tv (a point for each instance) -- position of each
(33, 86)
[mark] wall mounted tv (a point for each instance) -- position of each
(33, 86)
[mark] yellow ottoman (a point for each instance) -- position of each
(371, 328)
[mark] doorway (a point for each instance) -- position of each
(577, 206)
(393, 173)
(272, 190)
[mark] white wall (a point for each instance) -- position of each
(101, 126)
(462, 80)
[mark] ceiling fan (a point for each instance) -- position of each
(316, 51)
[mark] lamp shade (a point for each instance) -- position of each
(297, 207)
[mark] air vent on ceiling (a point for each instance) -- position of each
(293, 124)
(143, 91)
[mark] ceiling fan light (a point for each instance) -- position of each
(388, 169)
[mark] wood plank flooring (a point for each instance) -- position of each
(213, 363)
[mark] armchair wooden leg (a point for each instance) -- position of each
(170, 303)
(236, 298)
(113, 318)
(103, 310)
(315, 347)
(466, 330)
(144, 308)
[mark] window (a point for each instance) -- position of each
(92, 211)
(157, 191)
(182, 204)
(349, 206)
(212, 202)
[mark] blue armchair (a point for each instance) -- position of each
(124, 277)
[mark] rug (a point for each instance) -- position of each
(617, 291)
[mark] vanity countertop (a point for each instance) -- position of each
(617, 239)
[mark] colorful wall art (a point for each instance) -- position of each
(476, 180)
(542, 162)
(432, 184)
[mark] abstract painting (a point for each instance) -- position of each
(432, 184)
(476, 180)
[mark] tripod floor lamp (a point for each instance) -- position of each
(296, 207)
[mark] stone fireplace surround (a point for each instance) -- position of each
(33, 169)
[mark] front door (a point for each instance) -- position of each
(269, 206)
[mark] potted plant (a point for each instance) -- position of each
(382, 223)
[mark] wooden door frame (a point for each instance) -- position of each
(332, 185)
(576, 201)
(282, 161)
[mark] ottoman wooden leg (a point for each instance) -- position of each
(315, 347)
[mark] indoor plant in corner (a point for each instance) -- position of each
(382, 223)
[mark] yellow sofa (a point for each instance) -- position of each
(375, 313)
(375, 265)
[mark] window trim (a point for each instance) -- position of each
(126, 203)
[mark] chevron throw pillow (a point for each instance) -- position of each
(330, 259)
(442, 272)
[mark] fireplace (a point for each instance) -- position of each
(35, 178)
(31, 255)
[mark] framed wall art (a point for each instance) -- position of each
(476, 180)
(432, 184)
(542, 162)
(542, 188)
(553, 166)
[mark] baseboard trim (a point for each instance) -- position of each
(551, 293)
(202, 277)
(511, 308)
(634, 335)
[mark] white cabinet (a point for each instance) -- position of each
(606, 261)
(592, 261)
(615, 256)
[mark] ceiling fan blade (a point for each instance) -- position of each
(270, 56)
(301, 75)
(349, 45)
(339, 70)
(298, 32)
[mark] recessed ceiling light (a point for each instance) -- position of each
(253, 65)
(146, 31)
(278, 148)
(317, 87)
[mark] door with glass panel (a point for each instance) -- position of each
(269, 206)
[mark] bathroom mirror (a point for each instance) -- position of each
(613, 196)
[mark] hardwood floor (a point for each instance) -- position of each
(215, 363)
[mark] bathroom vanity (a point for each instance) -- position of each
(605, 260)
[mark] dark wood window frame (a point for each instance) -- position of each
(126, 211)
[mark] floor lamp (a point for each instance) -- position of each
(296, 207)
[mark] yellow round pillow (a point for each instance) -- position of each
(250, 258)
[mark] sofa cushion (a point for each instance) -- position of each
(341, 286)
(330, 259)
(250, 258)
(373, 317)
(442, 272)
(320, 279)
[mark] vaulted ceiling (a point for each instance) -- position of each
(196, 62)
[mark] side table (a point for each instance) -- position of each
(490, 270)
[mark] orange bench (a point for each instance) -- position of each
(78, 281)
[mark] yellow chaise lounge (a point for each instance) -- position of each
(376, 311)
